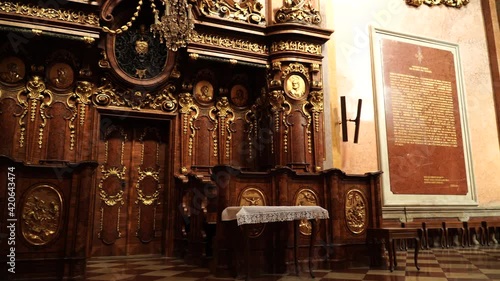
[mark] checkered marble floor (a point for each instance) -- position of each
(458, 264)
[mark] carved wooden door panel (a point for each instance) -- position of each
(129, 201)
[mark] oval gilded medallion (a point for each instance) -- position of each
(306, 197)
(41, 211)
(355, 211)
(253, 196)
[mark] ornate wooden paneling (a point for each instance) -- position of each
(353, 202)
(9, 109)
(132, 188)
(52, 209)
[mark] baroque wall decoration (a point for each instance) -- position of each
(35, 93)
(306, 197)
(300, 11)
(140, 54)
(49, 13)
(108, 94)
(61, 75)
(449, 3)
(112, 177)
(12, 70)
(144, 200)
(223, 114)
(356, 211)
(239, 95)
(250, 11)
(296, 46)
(230, 43)
(253, 196)
(42, 209)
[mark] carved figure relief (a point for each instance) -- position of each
(306, 197)
(41, 213)
(355, 211)
(295, 86)
(204, 92)
(12, 70)
(239, 95)
(61, 75)
(253, 196)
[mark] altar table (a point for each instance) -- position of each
(245, 215)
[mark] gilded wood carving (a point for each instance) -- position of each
(306, 197)
(356, 212)
(300, 11)
(449, 3)
(253, 196)
(250, 11)
(111, 188)
(42, 210)
(144, 200)
(34, 95)
(49, 13)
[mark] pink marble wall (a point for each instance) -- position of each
(347, 70)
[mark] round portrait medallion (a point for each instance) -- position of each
(204, 91)
(295, 86)
(239, 95)
(61, 75)
(12, 69)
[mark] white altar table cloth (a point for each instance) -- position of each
(265, 214)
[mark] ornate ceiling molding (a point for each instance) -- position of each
(449, 3)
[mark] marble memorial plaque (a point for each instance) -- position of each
(421, 120)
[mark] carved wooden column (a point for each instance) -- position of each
(296, 87)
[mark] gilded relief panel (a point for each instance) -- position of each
(306, 197)
(41, 209)
(356, 211)
(253, 196)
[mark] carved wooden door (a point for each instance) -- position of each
(129, 198)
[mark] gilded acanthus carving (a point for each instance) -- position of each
(295, 67)
(108, 94)
(316, 100)
(230, 43)
(35, 93)
(226, 116)
(81, 98)
(41, 213)
(187, 107)
(278, 105)
(49, 13)
(355, 211)
(243, 10)
(300, 11)
(297, 46)
(308, 127)
(449, 3)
